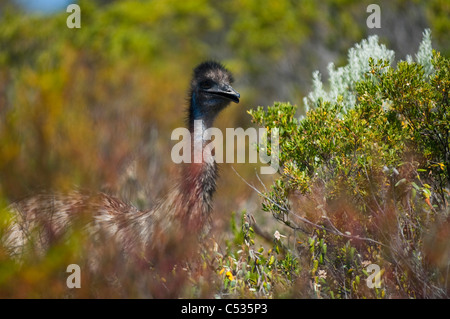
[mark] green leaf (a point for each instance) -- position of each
(315, 266)
(400, 182)
(271, 260)
(415, 186)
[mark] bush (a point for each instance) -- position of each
(364, 177)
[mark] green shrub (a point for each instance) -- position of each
(364, 176)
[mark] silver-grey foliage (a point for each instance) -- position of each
(342, 80)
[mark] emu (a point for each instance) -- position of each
(178, 218)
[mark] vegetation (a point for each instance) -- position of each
(367, 183)
(364, 159)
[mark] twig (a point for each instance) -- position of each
(259, 179)
(334, 231)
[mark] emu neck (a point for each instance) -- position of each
(198, 182)
(198, 113)
(199, 121)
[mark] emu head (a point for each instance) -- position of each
(211, 91)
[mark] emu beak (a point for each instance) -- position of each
(224, 90)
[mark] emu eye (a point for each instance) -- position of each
(206, 84)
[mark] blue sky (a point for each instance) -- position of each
(45, 6)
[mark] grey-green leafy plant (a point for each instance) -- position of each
(367, 172)
(342, 80)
